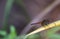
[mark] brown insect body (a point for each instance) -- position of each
(44, 22)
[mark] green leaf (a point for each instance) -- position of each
(51, 33)
(3, 33)
(13, 33)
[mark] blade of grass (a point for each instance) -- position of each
(7, 10)
(13, 33)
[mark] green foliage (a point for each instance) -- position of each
(35, 36)
(11, 35)
(4, 33)
(52, 33)
(20, 37)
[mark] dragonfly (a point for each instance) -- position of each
(44, 22)
(51, 25)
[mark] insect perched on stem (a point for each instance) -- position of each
(44, 22)
(49, 26)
